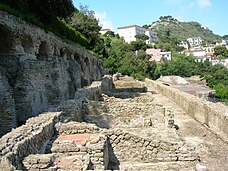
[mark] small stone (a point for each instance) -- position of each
(200, 167)
(99, 154)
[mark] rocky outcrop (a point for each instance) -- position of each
(38, 70)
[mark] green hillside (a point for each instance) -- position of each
(183, 30)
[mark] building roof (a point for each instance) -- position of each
(130, 26)
(105, 30)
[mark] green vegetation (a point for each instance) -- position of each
(86, 23)
(183, 30)
(142, 37)
(221, 52)
(185, 66)
(132, 60)
(123, 57)
(225, 37)
(42, 15)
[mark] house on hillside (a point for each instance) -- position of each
(154, 53)
(166, 56)
(196, 53)
(195, 41)
(183, 44)
(224, 62)
(215, 61)
(223, 43)
(203, 59)
(153, 37)
(210, 50)
(157, 55)
(129, 33)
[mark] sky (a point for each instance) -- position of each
(117, 13)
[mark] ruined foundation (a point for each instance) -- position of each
(99, 131)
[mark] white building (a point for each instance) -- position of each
(129, 33)
(183, 44)
(195, 41)
(153, 37)
(224, 42)
(196, 53)
(215, 61)
(203, 59)
(166, 55)
(224, 62)
(210, 50)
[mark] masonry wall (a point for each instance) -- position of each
(27, 139)
(33, 136)
(129, 147)
(214, 115)
(38, 70)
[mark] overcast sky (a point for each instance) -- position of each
(116, 13)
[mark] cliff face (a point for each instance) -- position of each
(38, 70)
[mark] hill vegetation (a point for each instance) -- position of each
(131, 59)
(183, 30)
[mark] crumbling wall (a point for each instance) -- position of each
(27, 139)
(214, 115)
(129, 147)
(38, 70)
(33, 136)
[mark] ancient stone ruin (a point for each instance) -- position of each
(98, 131)
(58, 112)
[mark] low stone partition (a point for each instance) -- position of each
(213, 115)
(27, 139)
(54, 162)
(94, 91)
(95, 145)
(82, 139)
(126, 146)
(76, 128)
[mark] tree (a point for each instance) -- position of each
(45, 10)
(146, 26)
(86, 23)
(110, 33)
(142, 37)
(137, 45)
(225, 37)
(179, 48)
(221, 51)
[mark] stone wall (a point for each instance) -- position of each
(27, 139)
(36, 134)
(213, 115)
(129, 147)
(38, 70)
